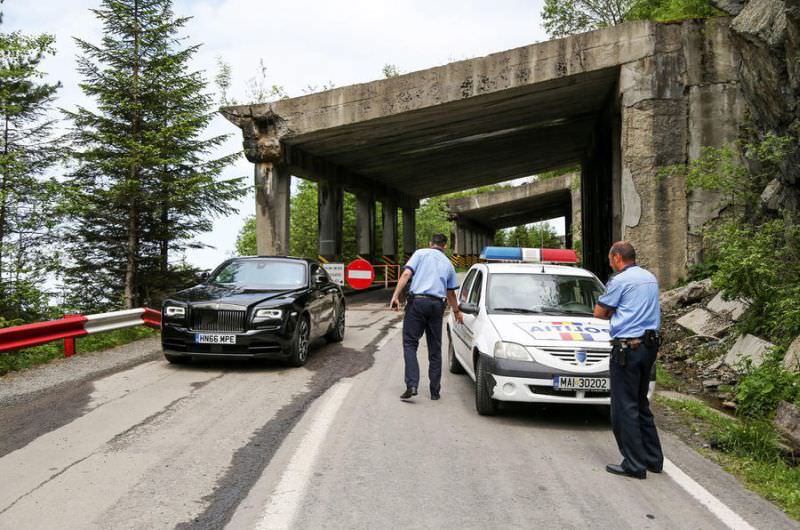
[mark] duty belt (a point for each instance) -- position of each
(432, 297)
(627, 343)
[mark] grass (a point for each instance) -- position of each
(665, 379)
(747, 450)
(23, 359)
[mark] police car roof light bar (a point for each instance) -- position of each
(529, 255)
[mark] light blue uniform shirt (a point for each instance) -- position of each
(633, 295)
(433, 273)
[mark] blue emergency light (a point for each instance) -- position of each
(529, 255)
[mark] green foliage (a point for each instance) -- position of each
(763, 388)
(390, 70)
(761, 263)
(144, 184)
(20, 360)
(754, 439)
(27, 151)
(246, 240)
(671, 10)
(303, 228)
(567, 17)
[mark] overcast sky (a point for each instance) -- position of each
(302, 43)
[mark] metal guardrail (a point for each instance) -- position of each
(72, 326)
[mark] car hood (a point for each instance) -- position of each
(231, 296)
(539, 330)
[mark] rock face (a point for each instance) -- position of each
(791, 360)
(733, 309)
(766, 34)
(787, 421)
(703, 322)
(686, 295)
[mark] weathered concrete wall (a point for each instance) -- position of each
(682, 99)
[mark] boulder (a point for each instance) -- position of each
(703, 322)
(787, 422)
(791, 361)
(733, 309)
(747, 347)
(686, 295)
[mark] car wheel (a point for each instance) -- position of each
(484, 403)
(337, 333)
(452, 362)
(177, 359)
(300, 343)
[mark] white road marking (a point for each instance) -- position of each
(287, 496)
(281, 510)
(728, 517)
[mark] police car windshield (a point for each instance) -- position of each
(261, 274)
(542, 293)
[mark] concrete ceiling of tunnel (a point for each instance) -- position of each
(528, 203)
(472, 142)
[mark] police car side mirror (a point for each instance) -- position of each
(468, 308)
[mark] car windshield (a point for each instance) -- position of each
(262, 274)
(543, 293)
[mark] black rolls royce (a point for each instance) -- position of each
(254, 307)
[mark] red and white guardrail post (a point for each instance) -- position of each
(72, 326)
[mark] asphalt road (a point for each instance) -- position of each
(330, 445)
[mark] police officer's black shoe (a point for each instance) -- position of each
(655, 469)
(410, 392)
(435, 396)
(619, 470)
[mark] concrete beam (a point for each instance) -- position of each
(330, 206)
(272, 183)
(365, 225)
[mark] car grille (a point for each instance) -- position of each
(217, 320)
(567, 355)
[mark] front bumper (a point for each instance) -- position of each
(267, 343)
(532, 382)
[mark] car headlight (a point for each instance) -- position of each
(268, 314)
(511, 350)
(174, 311)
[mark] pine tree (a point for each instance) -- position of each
(144, 184)
(27, 216)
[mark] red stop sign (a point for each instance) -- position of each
(359, 274)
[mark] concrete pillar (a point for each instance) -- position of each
(365, 226)
(460, 244)
(409, 231)
(389, 211)
(330, 205)
(272, 208)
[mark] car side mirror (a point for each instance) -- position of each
(468, 308)
(204, 276)
(319, 278)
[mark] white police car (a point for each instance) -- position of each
(529, 333)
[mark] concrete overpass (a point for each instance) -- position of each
(478, 217)
(622, 102)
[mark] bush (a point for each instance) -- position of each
(762, 389)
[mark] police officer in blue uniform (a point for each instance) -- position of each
(433, 285)
(631, 304)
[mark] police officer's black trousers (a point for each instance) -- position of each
(423, 315)
(631, 418)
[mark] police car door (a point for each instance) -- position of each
(473, 323)
(462, 344)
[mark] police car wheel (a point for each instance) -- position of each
(484, 403)
(452, 362)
